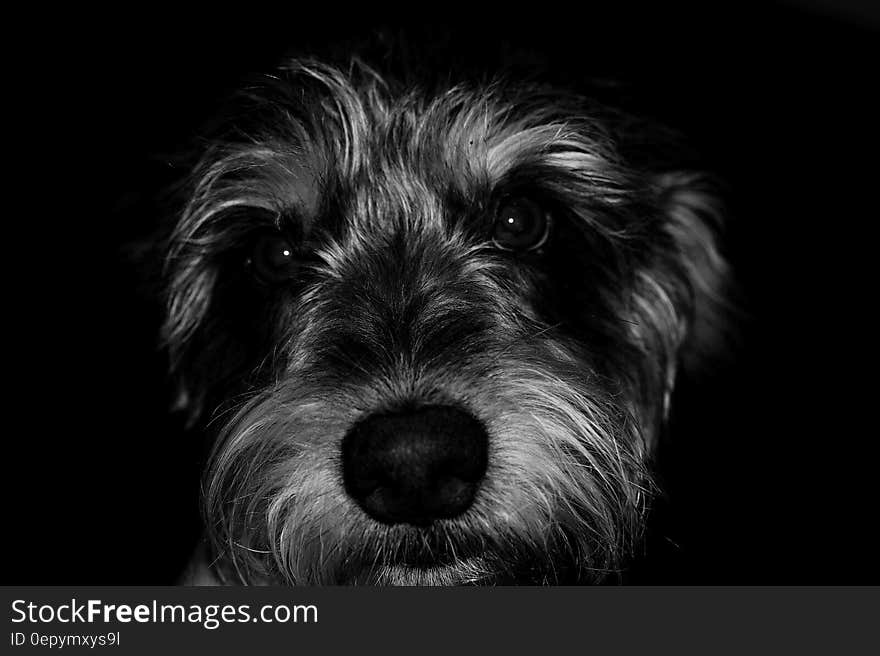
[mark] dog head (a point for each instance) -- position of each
(436, 332)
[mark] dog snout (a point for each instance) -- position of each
(415, 466)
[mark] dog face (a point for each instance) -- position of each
(441, 330)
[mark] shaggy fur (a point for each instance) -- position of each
(567, 352)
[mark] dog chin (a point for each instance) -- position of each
(469, 571)
(434, 562)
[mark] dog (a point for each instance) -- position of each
(434, 329)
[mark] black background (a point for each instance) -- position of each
(771, 472)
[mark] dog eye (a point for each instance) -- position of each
(521, 225)
(272, 259)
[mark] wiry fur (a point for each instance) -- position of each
(567, 356)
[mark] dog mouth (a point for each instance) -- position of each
(432, 547)
(463, 572)
(445, 554)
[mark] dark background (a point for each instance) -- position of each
(771, 473)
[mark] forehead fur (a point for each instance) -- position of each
(312, 126)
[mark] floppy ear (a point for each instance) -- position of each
(695, 219)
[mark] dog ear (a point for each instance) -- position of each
(695, 217)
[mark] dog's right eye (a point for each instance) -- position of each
(520, 225)
(272, 259)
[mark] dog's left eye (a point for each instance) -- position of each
(521, 225)
(272, 259)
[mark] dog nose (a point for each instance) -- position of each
(415, 466)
